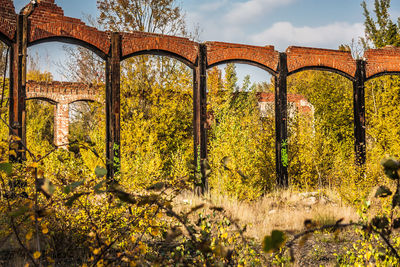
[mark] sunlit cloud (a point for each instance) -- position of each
(284, 34)
(248, 11)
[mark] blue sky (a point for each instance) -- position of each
(315, 23)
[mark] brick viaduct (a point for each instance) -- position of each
(46, 22)
(61, 94)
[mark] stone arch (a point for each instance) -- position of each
(141, 43)
(70, 40)
(7, 31)
(43, 98)
(8, 21)
(48, 23)
(62, 94)
(383, 61)
(263, 57)
(305, 58)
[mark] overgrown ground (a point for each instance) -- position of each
(286, 210)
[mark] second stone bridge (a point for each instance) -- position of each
(62, 94)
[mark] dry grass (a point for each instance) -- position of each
(285, 210)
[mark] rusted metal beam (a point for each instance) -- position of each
(199, 119)
(17, 110)
(113, 125)
(281, 137)
(359, 113)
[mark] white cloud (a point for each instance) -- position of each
(243, 12)
(284, 34)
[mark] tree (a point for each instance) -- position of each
(240, 140)
(157, 16)
(383, 31)
(156, 94)
(382, 93)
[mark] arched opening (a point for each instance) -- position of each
(156, 120)
(67, 73)
(40, 125)
(382, 126)
(86, 124)
(320, 129)
(4, 103)
(241, 130)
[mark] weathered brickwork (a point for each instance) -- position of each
(8, 19)
(48, 23)
(62, 94)
(140, 42)
(382, 60)
(48, 20)
(296, 103)
(302, 57)
(218, 52)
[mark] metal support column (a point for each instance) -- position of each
(113, 126)
(17, 111)
(199, 119)
(281, 141)
(359, 113)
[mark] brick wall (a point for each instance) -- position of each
(48, 21)
(386, 59)
(63, 94)
(296, 103)
(219, 52)
(301, 57)
(140, 41)
(8, 18)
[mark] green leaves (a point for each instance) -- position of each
(45, 186)
(383, 191)
(6, 167)
(157, 186)
(71, 187)
(72, 199)
(20, 211)
(274, 242)
(396, 199)
(122, 195)
(100, 172)
(391, 167)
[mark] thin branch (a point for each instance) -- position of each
(4, 78)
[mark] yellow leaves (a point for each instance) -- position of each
(12, 153)
(96, 251)
(14, 138)
(154, 231)
(37, 255)
(45, 230)
(33, 165)
(224, 235)
(29, 235)
(49, 259)
(142, 248)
